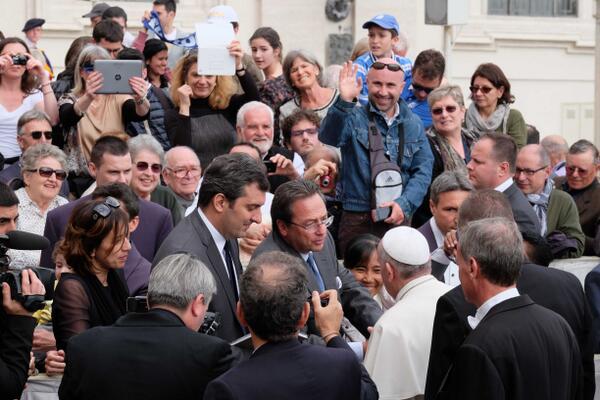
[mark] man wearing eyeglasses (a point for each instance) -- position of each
(182, 174)
(300, 222)
(33, 128)
(428, 72)
(555, 209)
(581, 182)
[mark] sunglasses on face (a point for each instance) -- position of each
(143, 166)
(418, 88)
(37, 135)
(392, 67)
(88, 67)
(104, 209)
(484, 89)
(440, 110)
(46, 172)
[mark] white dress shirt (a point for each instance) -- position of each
(451, 276)
(504, 185)
(489, 304)
(219, 242)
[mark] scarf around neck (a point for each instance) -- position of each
(539, 201)
(498, 119)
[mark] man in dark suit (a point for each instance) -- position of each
(273, 305)
(446, 194)
(517, 349)
(154, 355)
(581, 182)
(554, 289)
(492, 166)
(300, 224)
(232, 192)
(110, 162)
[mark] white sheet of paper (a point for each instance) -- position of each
(213, 56)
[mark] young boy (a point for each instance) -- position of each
(383, 35)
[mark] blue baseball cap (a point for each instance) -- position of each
(385, 21)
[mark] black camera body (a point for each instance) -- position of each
(19, 59)
(31, 303)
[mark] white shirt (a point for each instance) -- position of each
(489, 304)
(504, 185)
(219, 241)
(398, 351)
(8, 124)
(451, 276)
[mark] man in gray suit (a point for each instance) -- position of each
(300, 224)
(232, 192)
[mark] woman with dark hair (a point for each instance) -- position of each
(207, 106)
(24, 85)
(156, 55)
(267, 53)
(362, 260)
(96, 244)
(490, 109)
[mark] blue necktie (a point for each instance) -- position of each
(313, 265)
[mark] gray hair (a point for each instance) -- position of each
(40, 151)
(90, 53)
(145, 142)
(405, 270)
(555, 145)
(252, 105)
(331, 76)
(449, 181)
(583, 146)
(178, 279)
(172, 150)
(32, 115)
(402, 45)
(304, 55)
(273, 306)
(453, 91)
(496, 244)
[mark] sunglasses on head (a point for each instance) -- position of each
(418, 88)
(484, 89)
(143, 166)
(440, 110)
(47, 172)
(37, 135)
(392, 67)
(104, 209)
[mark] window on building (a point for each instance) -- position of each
(533, 8)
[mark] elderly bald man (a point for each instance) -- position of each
(557, 148)
(347, 126)
(554, 208)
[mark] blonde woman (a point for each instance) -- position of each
(206, 106)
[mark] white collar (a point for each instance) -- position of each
(216, 235)
(437, 233)
(412, 284)
(485, 308)
(504, 185)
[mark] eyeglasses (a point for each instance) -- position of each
(301, 132)
(47, 172)
(105, 209)
(528, 172)
(440, 110)
(314, 226)
(37, 135)
(182, 172)
(418, 88)
(571, 170)
(392, 67)
(484, 89)
(143, 166)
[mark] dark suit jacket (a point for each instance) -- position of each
(588, 205)
(192, 236)
(427, 231)
(155, 225)
(16, 337)
(137, 273)
(592, 292)
(554, 289)
(359, 307)
(519, 351)
(149, 355)
(291, 370)
(525, 217)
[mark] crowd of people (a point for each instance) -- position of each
(354, 232)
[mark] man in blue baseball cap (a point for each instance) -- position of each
(383, 35)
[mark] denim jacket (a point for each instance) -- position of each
(346, 126)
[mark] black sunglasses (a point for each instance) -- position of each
(47, 172)
(392, 67)
(88, 67)
(143, 165)
(484, 89)
(418, 88)
(37, 135)
(104, 209)
(440, 110)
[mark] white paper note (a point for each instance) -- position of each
(213, 56)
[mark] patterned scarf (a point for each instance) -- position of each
(153, 25)
(498, 119)
(539, 201)
(451, 159)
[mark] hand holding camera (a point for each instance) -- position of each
(328, 318)
(30, 286)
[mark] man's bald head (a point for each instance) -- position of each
(385, 85)
(557, 148)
